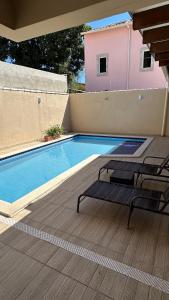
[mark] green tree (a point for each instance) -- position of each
(60, 52)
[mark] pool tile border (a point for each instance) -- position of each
(121, 268)
(141, 149)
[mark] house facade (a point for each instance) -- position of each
(116, 59)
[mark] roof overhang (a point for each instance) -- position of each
(154, 25)
(25, 19)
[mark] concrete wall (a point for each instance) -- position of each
(23, 119)
(19, 77)
(119, 112)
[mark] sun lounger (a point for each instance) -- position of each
(133, 197)
(139, 168)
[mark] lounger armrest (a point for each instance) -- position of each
(147, 198)
(153, 179)
(152, 157)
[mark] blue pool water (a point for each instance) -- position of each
(25, 172)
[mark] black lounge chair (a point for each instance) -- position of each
(139, 168)
(133, 197)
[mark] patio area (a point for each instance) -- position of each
(32, 268)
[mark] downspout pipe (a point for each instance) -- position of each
(165, 110)
(129, 56)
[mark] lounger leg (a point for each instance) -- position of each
(79, 201)
(129, 217)
(137, 177)
(100, 171)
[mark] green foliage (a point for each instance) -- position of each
(4, 52)
(78, 86)
(60, 52)
(54, 131)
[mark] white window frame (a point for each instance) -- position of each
(98, 57)
(142, 60)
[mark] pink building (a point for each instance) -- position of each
(116, 59)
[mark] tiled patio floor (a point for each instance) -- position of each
(31, 268)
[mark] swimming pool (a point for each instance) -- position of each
(25, 172)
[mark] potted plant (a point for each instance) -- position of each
(53, 132)
(49, 134)
(59, 131)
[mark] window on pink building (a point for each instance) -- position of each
(102, 64)
(103, 68)
(146, 62)
(147, 59)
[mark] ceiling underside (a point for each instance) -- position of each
(25, 19)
